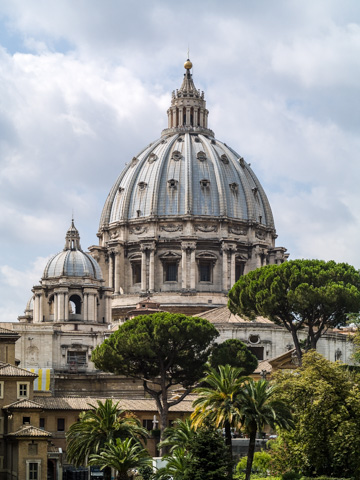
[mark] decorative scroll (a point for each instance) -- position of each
(205, 228)
(236, 230)
(172, 227)
(138, 229)
(260, 235)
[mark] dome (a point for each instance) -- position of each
(187, 174)
(72, 261)
(186, 217)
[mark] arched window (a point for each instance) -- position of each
(75, 305)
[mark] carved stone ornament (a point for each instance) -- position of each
(121, 189)
(134, 161)
(138, 229)
(236, 230)
(224, 159)
(205, 228)
(142, 185)
(201, 156)
(114, 235)
(188, 246)
(147, 247)
(234, 187)
(205, 183)
(152, 158)
(260, 235)
(172, 227)
(176, 155)
(242, 162)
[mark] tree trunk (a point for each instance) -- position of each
(250, 455)
(229, 445)
(296, 344)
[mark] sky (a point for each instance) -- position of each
(85, 85)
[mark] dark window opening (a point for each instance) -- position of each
(257, 351)
(205, 270)
(42, 423)
(170, 271)
(61, 424)
(26, 420)
(239, 271)
(148, 424)
(75, 304)
(136, 268)
(76, 358)
(34, 471)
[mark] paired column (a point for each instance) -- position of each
(148, 266)
(228, 266)
(188, 277)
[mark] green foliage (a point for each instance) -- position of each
(162, 350)
(217, 400)
(98, 426)
(233, 352)
(260, 466)
(162, 344)
(122, 456)
(209, 458)
(326, 437)
(179, 435)
(299, 293)
(146, 473)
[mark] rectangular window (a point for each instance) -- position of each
(239, 271)
(1, 389)
(23, 390)
(76, 358)
(148, 424)
(205, 271)
(26, 420)
(171, 272)
(33, 470)
(136, 268)
(42, 423)
(61, 424)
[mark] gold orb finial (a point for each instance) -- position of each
(188, 65)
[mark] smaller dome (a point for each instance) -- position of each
(72, 261)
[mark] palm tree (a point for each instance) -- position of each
(258, 407)
(178, 436)
(218, 400)
(176, 466)
(98, 426)
(122, 456)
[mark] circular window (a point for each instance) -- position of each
(253, 339)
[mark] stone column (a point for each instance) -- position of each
(225, 275)
(196, 116)
(85, 305)
(111, 269)
(117, 272)
(152, 270)
(184, 266)
(187, 115)
(37, 308)
(143, 269)
(181, 116)
(67, 306)
(232, 266)
(174, 112)
(56, 316)
(202, 117)
(192, 267)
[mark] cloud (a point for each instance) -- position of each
(86, 86)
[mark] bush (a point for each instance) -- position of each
(260, 466)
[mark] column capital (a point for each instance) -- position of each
(147, 246)
(188, 246)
